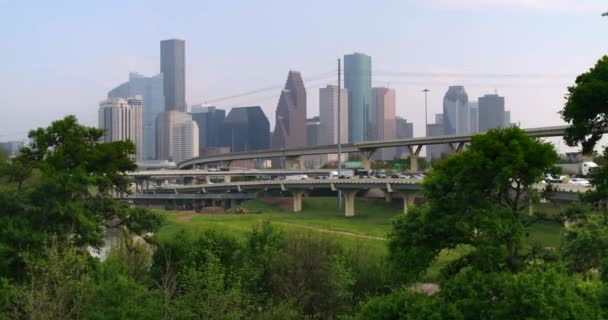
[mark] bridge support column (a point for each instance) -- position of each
(296, 162)
(414, 152)
(227, 179)
(408, 201)
(458, 147)
(366, 158)
(207, 179)
(349, 203)
(388, 197)
(226, 164)
(297, 200)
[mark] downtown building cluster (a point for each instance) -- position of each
(461, 116)
(152, 113)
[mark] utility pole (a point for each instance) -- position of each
(426, 119)
(339, 132)
(426, 122)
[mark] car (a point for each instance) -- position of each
(212, 170)
(381, 176)
(579, 181)
(396, 176)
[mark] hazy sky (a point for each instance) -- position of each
(61, 57)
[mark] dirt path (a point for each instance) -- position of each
(343, 233)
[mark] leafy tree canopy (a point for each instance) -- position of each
(477, 200)
(586, 107)
(72, 179)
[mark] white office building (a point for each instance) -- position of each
(165, 124)
(184, 141)
(122, 120)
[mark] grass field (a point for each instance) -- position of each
(369, 226)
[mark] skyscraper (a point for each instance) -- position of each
(122, 120)
(474, 113)
(290, 127)
(403, 130)
(312, 131)
(210, 121)
(246, 128)
(184, 141)
(436, 152)
(165, 123)
(456, 114)
(172, 65)
(328, 115)
(153, 103)
(491, 112)
(383, 119)
(358, 82)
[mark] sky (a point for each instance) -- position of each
(62, 57)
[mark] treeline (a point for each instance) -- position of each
(214, 275)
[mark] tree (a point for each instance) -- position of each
(586, 107)
(71, 195)
(476, 200)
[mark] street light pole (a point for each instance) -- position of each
(426, 119)
(426, 122)
(339, 132)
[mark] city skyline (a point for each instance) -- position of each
(97, 66)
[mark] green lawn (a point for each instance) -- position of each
(369, 226)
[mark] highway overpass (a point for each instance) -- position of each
(407, 189)
(293, 156)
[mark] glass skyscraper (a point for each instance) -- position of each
(358, 82)
(173, 68)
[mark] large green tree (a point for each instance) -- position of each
(476, 201)
(71, 182)
(586, 108)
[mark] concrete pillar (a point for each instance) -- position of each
(408, 201)
(349, 203)
(458, 147)
(227, 179)
(366, 158)
(207, 179)
(388, 197)
(414, 151)
(296, 162)
(297, 200)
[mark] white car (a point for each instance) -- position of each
(579, 181)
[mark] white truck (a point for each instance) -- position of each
(345, 174)
(578, 169)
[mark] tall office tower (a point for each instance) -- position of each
(184, 141)
(491, 112)
(173, 67)
(328, 115)
(456, 115)
(122, 120)
(507, 119)
(165, 123)
(210, 121)
(246, 129)
(436, 152)
(153, 103)
(403, 130)
(290, 127)
(383, 120)
(358, 82)
(313, 131)
(11, 147)
(474, 121)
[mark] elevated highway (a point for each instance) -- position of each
(407, 189)
(293, 156)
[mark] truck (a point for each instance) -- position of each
(345, 174)
(581, 169)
